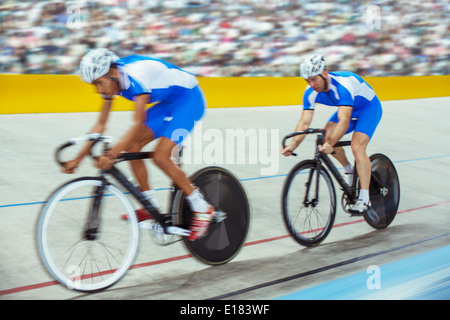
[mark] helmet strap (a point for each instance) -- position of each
(326, 82)
(114, 79)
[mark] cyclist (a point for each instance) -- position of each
(179, 104)
(359, 110)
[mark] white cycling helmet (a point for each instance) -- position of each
(96, 63)
(312, 66)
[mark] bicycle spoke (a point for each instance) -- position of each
(87, 264)
(308, 221)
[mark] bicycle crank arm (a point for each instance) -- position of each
(147, 225)
(178, 231)
(219, 216)
(156, 227)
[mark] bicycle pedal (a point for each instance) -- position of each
(146, 225)
(160, 237)
(219, 216)
(178, 231)
(354, 213)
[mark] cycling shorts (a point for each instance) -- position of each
(175, 118)
(364, 120)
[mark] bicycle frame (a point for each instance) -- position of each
(322, 157)
(137, 194)
(165, 221)
(93, 219)
(348, 190)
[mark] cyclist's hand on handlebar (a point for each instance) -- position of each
(326, 148)
(71, 166)
(287, 151)
(106, 161)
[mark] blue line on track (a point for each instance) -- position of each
(68, 199)
(242, 180)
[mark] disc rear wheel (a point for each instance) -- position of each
(384, 192)
(227, 234)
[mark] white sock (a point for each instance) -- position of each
(150, 195)
(348, 168)
(196, 201)
(364, 196)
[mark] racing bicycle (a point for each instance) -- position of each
(85, 246)
(309, 196)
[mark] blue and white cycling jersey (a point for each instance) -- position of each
(346, 89)
(140, 75)
(180, 100)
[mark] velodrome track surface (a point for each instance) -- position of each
(412, 253)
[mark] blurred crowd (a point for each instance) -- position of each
(230, 38)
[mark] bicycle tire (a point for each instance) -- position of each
(299, 218)
(68, 255)
(224, 239)
(384, 192)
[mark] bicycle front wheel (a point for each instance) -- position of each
(225, 236)
(308, 215)
(81, 259)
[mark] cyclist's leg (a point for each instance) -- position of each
(366, 124)
(184, 112)
(162, 158)
(138, 166)
(359, 144)
(203, 211)
(339, 151)
(162, 120)
(145, 136)
(141, 174)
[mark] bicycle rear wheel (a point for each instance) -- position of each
(308, 220)
(224, 238)
(384, 192)
(81, 259)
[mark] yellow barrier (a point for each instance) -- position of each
(67, 93)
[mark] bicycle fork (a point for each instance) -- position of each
(317, 168)
(93, 221)
(313, 203)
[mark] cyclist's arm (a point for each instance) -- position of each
(99, 127)
(139, 114)
(344, 116)
(303, 124)
(71, 165)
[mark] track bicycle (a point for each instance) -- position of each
(309, 196)
(85, 246)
